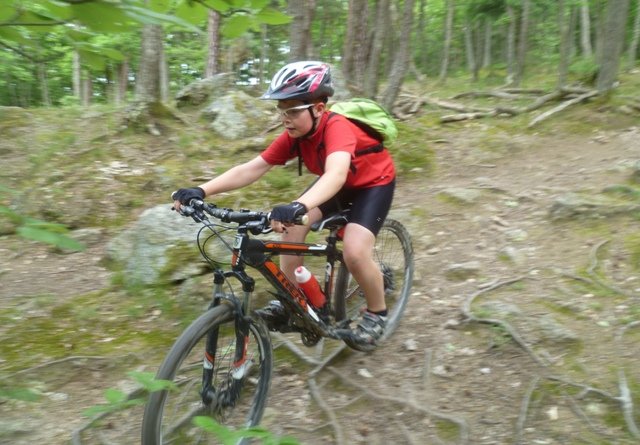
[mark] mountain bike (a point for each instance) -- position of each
(221, 365)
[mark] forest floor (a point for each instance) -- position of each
(552, 375)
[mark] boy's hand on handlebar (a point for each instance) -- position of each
(287, 215)
(184, 196)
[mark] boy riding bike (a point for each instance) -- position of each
(354, 171)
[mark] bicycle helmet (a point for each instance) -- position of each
(304, 81)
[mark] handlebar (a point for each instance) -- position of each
(197, 209)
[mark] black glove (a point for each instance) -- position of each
(288, 213)
(186, 195)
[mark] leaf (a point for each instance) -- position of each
(237, 25)
(259, 4)
(114, 396)
(155, 18)
(24, 394)
(192, 12)
(49, 237)
(102, 17)
(57, 10)
(160, 5)
(149, 381)
(92, 59)
(7, 11)
(271, 16)
(218, 5)
(15, 34)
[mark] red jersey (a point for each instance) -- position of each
(332, 135)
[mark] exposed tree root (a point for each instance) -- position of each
(461, 423)
(524, 409)
(333, 419)
(469, 316)
(72, 358)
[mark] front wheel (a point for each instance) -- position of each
(237, 395)
(394, 254)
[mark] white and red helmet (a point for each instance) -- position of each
(306, 81)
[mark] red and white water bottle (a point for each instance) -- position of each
(310, 286)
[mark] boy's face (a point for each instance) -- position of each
(296, 117)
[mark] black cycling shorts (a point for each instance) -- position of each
(369, 206)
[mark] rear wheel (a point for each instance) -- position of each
(240, 392)
(394, 254)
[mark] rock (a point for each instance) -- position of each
(461, 195)
(552, 330)
(198, 92)
(500, 309)
(89, 236)
(237, 115)
(462, 271)
(160, 246)
(573, 205)
(410, 345)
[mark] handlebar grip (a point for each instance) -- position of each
(304, 220)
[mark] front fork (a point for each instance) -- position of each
(241, 363)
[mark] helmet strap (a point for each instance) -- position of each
(315, 120)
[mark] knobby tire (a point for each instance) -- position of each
(168, 416)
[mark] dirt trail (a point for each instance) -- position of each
(436, 368)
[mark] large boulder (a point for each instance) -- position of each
(159, 247)
(237, 115)
(200, 91)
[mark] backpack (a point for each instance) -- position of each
(369, 116)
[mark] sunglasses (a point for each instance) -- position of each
(293, 112)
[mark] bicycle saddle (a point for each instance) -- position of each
(332, 221)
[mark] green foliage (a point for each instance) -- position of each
(118, 400)
(229, 437)
(41, 231)
(104, 34)
(17, 393)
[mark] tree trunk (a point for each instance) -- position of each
(585, 29)
(448, 32)
(377, 43)
(76, 76)
(121, 81)
(44, 86)
(148, 79)
(422, 37)
(401, 61)
(300, 28)
(522, 43)
(633, 46)
(511, 46)
(213, 43)
(86, 88)
(488, 32)
(468, 44)
(614, 32)
(355, 52)
(563, 28)
(164, 74)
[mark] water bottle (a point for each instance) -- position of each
(310, 286)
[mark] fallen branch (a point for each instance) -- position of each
(500, 94)
(562, 106)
